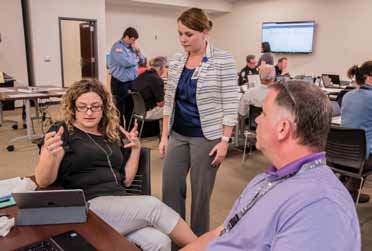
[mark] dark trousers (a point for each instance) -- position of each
(189, 155)
(122, 99)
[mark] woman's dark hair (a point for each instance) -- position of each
(195, 19)
(265, 47)
(360, 73)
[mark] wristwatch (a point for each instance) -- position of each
(226, 139)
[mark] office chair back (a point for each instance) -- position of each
(141, 184)
(250, 132)
(139, 111)
(346, 150)
(254, 112)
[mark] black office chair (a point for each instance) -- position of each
(139, 112)
(141, 184)
(346, 153)
(250, 131)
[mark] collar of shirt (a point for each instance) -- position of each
(125, 44)
(366, 87)
(274, 173)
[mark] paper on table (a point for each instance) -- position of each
(28, 95)
(14, 185)
(24, 90)
(6, 90)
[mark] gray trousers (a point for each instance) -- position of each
(144, 220)
(184, 154)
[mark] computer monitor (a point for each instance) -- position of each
(335, 79)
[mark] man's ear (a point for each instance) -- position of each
(283, 129)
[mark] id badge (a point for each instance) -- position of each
(195, 75)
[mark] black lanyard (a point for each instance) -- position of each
(265, 188)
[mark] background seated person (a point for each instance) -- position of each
(298, 203)
(142, 67)
(151, 87)
(281, 68)
(256, 95)
(86, 153)
(356, 112)
(249, 69)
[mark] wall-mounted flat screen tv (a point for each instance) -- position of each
(289, 37)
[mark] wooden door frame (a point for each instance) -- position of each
(94, 21)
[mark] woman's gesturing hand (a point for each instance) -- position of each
(53, 142)
(132, 137)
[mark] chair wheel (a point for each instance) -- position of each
(10, 148)
(15, 127)
(24, 126)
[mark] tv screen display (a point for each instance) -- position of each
(289, 37)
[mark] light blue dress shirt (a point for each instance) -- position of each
(309, 211)
(123, 61)
(356, 112)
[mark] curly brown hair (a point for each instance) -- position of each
(109, 123)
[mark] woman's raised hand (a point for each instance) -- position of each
(132, 137)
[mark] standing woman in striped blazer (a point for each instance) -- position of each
(201, 104)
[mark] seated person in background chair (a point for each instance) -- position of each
(281, 68)
(249, 69)
(356, 112)
(86, 153)
(256, 95)
(142, 67)
(298, 203)
(151, 87)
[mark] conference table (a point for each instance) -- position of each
(27, 94)
(95, 230)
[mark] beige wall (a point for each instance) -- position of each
(149, 22)
(12, 47)
(343, 34)
(71, 51)
(45, 35)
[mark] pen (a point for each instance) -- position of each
(5, 199)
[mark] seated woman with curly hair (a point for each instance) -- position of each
(86, 152)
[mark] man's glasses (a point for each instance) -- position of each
(93, 108)
(288, 91)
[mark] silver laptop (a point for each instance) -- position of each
(51, 207)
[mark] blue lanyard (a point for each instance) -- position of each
(264, 189)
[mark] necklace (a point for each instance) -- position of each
(106, 154)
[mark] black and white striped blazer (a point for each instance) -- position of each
(217, 93)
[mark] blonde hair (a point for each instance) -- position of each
(195, 19)
(109, 123)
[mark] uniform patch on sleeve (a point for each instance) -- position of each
(119, 50)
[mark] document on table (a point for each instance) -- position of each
(6, 90)
(28, 95)
(13, 185)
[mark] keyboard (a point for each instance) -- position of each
(45, 245)
(68, 241)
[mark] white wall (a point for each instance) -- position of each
(12, 47)
(343, 33)
(45, 35)
(149, 22)
(71, 51)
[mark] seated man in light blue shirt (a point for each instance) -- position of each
(356, 112)
(298, 203)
